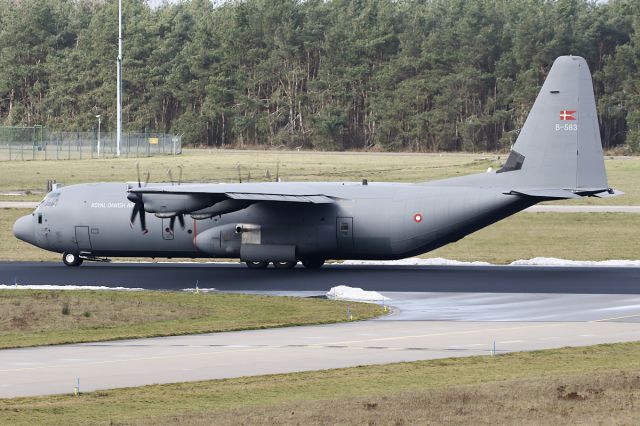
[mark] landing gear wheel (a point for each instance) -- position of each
(313, 263)
(285, 265)
(257, 265)
(71, 259)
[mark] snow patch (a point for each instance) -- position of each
(537, 261)
(343, 292)
(64, 287)
(552, 261)
(416, 261)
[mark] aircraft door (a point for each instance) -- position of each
(344, 229)
(82, 238)
(167, 233)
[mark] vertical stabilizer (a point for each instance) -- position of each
(559, 145)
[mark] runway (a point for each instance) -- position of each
(236, 277)
(440, 311)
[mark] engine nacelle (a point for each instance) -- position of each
(174, 203)
(219, 241)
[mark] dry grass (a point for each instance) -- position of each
(221, 165)
(601, 398)
(592, 385)
(575, 236)
(29, 318)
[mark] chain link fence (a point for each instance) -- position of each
(38, 143)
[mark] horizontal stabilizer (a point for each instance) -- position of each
(608, 194)
(566, 193)
(545, 193)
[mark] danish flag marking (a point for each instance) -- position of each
(567, 114)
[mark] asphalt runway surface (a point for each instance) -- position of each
(236, 277)
(439, 312)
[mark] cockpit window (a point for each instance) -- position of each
(51, 200)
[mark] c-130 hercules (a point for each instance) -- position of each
(557, 155)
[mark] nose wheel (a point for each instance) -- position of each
(71, 259)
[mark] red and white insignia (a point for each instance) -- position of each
(567, 114)
(417, 217)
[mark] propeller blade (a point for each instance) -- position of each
(138, 170)
(134, 212)
(143, 220)
(180, 176)
(146, 181)
(172, 221)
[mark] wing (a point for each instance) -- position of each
(206, 200)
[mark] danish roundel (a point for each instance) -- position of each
(417, 217)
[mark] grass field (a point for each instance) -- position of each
(577, 236)
(222, 165)
(29, 318)
(591, 385)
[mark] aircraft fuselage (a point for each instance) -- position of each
(374, 221)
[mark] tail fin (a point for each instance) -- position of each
(559, 146)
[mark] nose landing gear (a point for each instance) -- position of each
(71, 259)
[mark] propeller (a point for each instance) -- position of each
(172, 221)
(138, 204)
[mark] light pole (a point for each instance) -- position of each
(98, 117)
(119, 83)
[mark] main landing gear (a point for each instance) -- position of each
(71, 259)
(308, 263)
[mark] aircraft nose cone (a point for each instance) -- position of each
(23, 229)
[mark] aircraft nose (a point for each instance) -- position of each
(23, 229)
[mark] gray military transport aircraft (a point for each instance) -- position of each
(558, 155)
